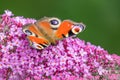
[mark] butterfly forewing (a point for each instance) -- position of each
(63, 29)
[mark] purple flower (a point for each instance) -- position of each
(69, 59)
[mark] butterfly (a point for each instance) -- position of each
(48, 30)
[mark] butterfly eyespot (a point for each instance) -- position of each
(82, 26)
(77, 28)
(28, 32)
(55, 22)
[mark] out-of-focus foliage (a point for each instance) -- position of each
(102, 17)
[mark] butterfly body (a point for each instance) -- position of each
(48, 30)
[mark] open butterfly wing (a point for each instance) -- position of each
(63, 30)
(35, 37)
(69, 28)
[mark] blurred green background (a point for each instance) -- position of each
(102, 17)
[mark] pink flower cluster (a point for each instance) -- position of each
(69, 59)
